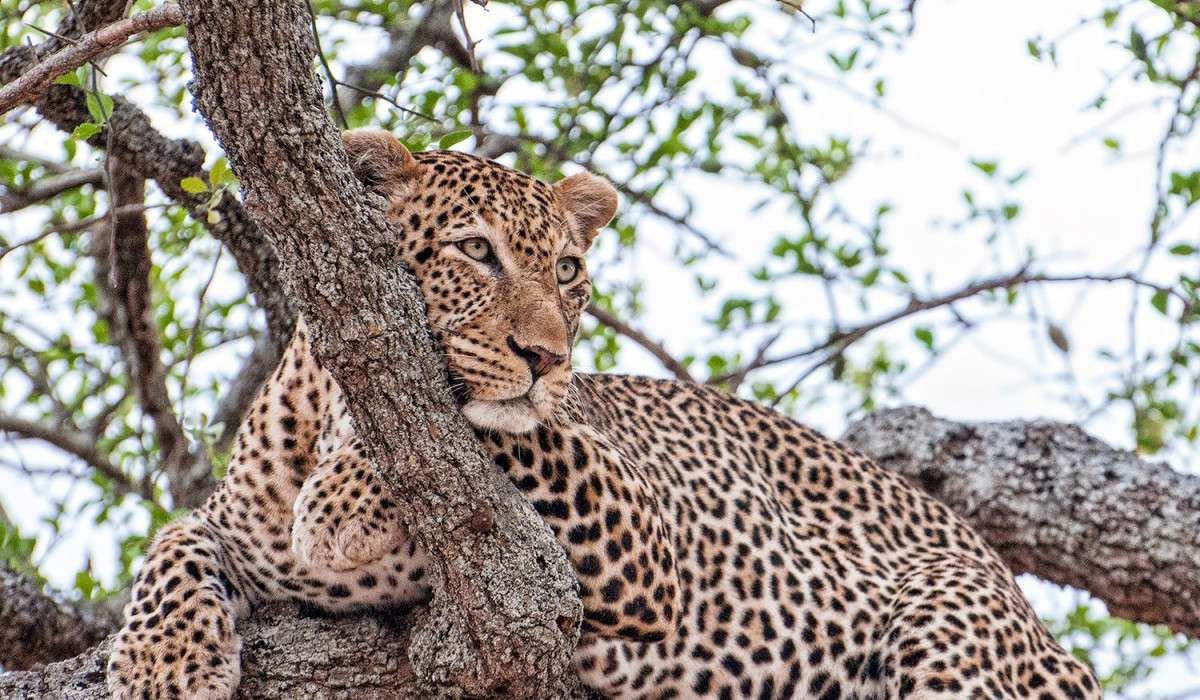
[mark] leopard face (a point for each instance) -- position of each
(499, 256)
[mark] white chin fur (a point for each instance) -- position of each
(514, 416)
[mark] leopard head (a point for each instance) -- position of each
(499, 257)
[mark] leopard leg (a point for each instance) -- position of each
(343, 520)
(179, 639)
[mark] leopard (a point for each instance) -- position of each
(722, 549)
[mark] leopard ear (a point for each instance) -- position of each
(590, 201)
(380, 161)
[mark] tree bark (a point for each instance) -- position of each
(1060, 504)
(506, 616)
(35, 627)
(284, 656)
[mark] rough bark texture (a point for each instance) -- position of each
(284, 656)
(1060, 504)
(507, 616)
(88, 47)
(189, 474)
(35, 627)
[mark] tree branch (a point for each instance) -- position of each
(1059, 504)
(77, 445)
(433, 28)
(283, 657)
(29, 85)
(653, 347)
(506, 617)
(36, 628)
(47, 187)
(1052, 500)
(189, 475)
(147, 152)
(837, 342)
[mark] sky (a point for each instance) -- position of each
(963, 86)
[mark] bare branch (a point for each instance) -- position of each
(47, 164)
(78, 445)
(1060, 504)
(48, 187)
(654, 348)
(189, 475)
(36, 628)
(29, 85)
(837, 343)
(147, 152)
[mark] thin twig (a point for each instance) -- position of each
(385, 98)
(48, 187)
(77, 226)
(656, 349)
(462, 21)
(77, 445)
(187, 367)
(838, 342)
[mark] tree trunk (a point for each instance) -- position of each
(505, 615)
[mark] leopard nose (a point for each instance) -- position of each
(539, 359)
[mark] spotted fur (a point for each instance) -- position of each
(722, 550)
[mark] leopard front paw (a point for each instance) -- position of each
(334, 530)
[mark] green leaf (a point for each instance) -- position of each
(85, 131)
(221, 174)
(454, 137)
(987, 167)
(99, 106)
(71, 79)
(1184, 249)
(925, 336)
(1159, 301)
(193, 185)
(1058, 337)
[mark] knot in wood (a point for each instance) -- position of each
(482, 519)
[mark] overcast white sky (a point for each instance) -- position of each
(964, 76)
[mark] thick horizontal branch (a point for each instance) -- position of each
(283, 656)
(1059, 504)
(36, 628)
(30, 84)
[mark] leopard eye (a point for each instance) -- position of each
(567, 270)
(476, 248)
